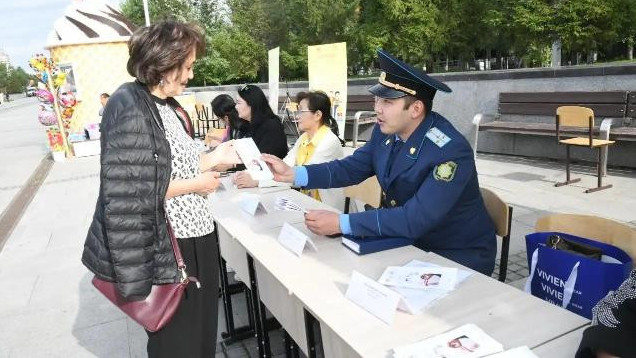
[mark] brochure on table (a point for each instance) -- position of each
(467, 341)
(423, 278)
(414, 301)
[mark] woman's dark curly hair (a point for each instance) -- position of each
(161, 48)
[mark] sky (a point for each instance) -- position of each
(26, 24)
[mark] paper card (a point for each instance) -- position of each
(467, 341)
(294, 240)
(376, 299)
(414, 301)
(462, 275)
(251, 157)
(437, 278)
(251, 204)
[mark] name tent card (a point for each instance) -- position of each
(294, 240)
(251, 204)
(374, 297)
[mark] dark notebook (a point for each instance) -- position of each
(367, 246)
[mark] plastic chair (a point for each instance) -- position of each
(368, 191)
(501, 215)
(580, 117)
(591, 227)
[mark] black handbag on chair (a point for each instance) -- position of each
(559, 243)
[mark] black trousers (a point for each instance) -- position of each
(192, 331)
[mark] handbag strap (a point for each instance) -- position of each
(175, 246)
(181, 266)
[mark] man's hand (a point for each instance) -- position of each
(323, 222)
(244, 180)
(282, 172)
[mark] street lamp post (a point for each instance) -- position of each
(146, 13)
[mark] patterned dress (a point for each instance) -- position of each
(189, 213)
(613, 328)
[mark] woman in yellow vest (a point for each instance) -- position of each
(319, 143)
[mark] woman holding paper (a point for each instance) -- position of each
(319, 143)
(266, 128)
(153, 175)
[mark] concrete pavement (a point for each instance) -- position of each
(49, 308)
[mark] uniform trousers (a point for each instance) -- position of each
(192, 330)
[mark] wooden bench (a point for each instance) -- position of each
(534, 112)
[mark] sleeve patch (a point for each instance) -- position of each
(445, 171)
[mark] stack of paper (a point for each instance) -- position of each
(421, 283)
(467, 341)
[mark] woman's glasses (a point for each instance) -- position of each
(301, 111)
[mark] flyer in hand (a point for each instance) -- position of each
(251, 157)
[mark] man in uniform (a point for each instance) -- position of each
(426, 168)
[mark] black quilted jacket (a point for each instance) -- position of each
(127, 242)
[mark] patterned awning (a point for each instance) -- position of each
(89, 22)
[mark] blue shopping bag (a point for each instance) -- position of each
(572, 281)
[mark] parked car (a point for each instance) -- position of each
(30, 91)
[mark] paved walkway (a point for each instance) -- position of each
(22, 145)
(53, 311)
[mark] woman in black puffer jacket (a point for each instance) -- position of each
(151, 168)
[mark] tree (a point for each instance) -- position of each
(583, 25)
(13, 80)
(233, 56)
(623, 15)
(158, 10)
(421, 32)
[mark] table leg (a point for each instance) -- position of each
(232, 333)
(314, 338)
(262, 338)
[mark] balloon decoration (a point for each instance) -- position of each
(44, 96)
(47, 116)
(56, 139)
(51, 98)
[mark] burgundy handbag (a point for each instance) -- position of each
(157, 309)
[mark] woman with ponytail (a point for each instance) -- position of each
(319, 143)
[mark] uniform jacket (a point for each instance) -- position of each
(127, 242)
(431, 194)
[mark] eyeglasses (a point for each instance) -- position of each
(301, 111)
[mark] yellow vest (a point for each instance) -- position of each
(306, 150)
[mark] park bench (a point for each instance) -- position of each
(533, 113)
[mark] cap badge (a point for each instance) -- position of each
(395, 86)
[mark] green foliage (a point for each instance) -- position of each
(422, 32)
(13, 80)
(233, 57)
(158, 10)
